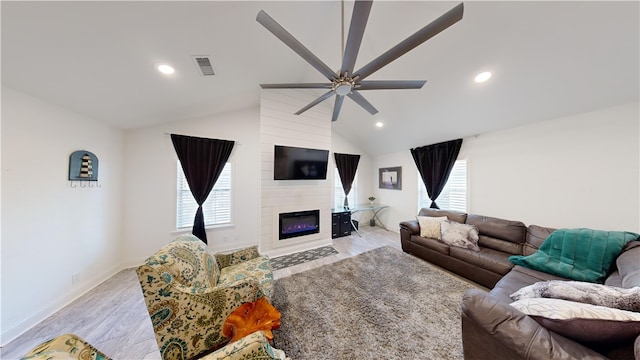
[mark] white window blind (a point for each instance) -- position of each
(216, 209)
(454, 194)
(338, 191)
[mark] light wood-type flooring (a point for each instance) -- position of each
(114, 318)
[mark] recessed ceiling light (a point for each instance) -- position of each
(166, 69)
(482, 77)
(379, 124)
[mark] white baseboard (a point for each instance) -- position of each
(20, 327)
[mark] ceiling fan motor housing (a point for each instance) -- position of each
(343, 86)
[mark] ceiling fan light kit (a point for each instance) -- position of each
(347, 82)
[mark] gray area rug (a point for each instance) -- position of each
(382, 304)
(282, 262)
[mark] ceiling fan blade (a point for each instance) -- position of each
(361, 10)
(315, 102)
(295, 45)
(360, 100)
(391, 84)
(297, 86)
(434, 28)
(336, 107)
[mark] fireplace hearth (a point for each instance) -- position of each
(299, 223)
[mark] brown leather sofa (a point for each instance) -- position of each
(491, 328)
(499, 239)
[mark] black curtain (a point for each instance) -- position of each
(434, 163)
(202, 161)
(347, 165)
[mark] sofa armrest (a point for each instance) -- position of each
(493, 329)
(67, 346)
(411, 226)
(236, 256)
(252, 346)
(408, 229)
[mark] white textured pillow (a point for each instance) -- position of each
(460, 235)
(582, 322)
(430, 226)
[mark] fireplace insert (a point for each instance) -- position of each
(299, 223)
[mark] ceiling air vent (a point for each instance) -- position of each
(204, 64)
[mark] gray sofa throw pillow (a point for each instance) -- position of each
(461, 235)
(584, 292)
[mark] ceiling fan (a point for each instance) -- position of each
(347, 82)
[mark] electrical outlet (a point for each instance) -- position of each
(75, 278)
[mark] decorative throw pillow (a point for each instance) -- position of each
(430, 226)
(583, 292)
(582, 322)
(460, 235)
(577, 254)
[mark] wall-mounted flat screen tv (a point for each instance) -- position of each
(293, 163)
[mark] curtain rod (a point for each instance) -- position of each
(236, 142)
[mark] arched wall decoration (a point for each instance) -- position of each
(83, 166)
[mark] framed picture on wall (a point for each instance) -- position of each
(390, 178)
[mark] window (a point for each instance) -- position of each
(217, 207)
(454, 194)
(338, 191)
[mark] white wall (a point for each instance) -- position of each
(575, 171)
(51, 231)
(402, 203)
(150, 183)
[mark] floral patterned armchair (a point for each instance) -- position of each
(65, 347)
(189, 293)
(69, 346)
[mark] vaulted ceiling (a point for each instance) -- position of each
(548, 59)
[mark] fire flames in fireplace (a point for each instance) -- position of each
(299, 223)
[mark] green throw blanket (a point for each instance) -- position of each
(577, 254)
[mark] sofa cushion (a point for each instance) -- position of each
(583, 292)
(432, 244)
(578, 254)
(488, 259)
(518, 278)
(535, 237)
(259, 268)
(430, 226)
(614, 279)
(234, 257)
(582, 322)
(452, 215)
(508, 230)
(500, 245)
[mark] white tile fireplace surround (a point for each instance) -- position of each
(312, 129)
